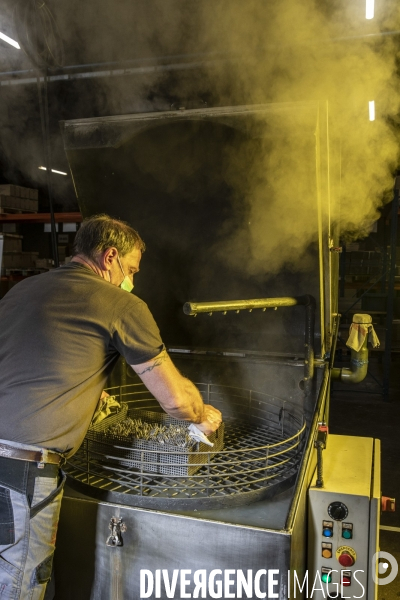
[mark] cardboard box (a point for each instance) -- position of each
(7, 201)
(16, 203)
(350, 293)
(43, 263)
(374, 302)
(8, 189)
(12, 243)
(9, 228)
(34, 205)
(28, 193)
(19, 260)
(347, 303)
(353, 246)
(61, 253)
(396, 331)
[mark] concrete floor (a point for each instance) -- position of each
(360, 411)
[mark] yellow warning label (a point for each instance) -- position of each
(347, 549)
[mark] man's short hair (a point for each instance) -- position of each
(100, 232)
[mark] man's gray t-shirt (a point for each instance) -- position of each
(61, 334)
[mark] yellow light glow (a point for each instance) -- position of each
(369, 9)
(371, 107)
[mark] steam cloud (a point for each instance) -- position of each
(304, 52)
(292, 52)
(265, 52)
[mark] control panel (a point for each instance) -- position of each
(343, 520)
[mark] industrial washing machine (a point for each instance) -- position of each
(227, 522)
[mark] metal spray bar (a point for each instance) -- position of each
(195, 308)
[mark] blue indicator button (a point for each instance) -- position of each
(327, 532)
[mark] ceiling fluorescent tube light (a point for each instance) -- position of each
(53, 171)
(371, 106)
(369, 9)
(5, 38)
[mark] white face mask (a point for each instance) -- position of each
(127, 284)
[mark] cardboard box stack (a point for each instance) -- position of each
(14, 259)
(19, 261)
(15, 198)
(12, 242)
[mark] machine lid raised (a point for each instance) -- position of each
(181, 179)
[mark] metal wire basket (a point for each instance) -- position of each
(263, 441)
(151, 456)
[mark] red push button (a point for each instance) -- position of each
(346, 559)
(346, 581)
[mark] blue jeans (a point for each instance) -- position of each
(30, 500)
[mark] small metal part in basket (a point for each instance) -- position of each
(136, 429)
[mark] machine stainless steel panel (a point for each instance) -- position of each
(153, 541)
(340, 537)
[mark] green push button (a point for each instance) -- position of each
(347, 534)
(326, 577)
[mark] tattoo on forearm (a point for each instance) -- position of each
(156, 363)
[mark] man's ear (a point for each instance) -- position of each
(107, 258)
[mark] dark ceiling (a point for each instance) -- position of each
(123, 56)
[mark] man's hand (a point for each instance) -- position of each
(178, 396)
(211, 419)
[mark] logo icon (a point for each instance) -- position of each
(383, 568)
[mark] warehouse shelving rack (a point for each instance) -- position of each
(31, 218)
